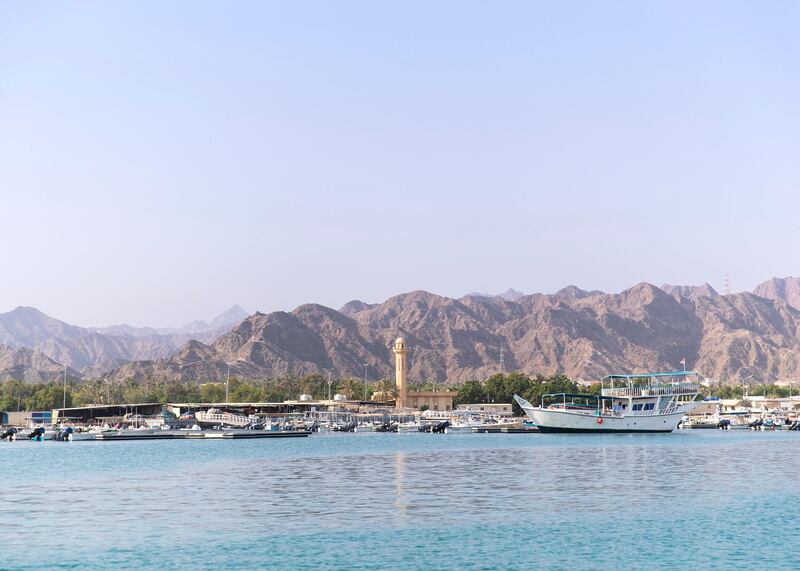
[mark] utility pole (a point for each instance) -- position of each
(64, 405)
(502, 362)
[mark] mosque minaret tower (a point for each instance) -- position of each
(400, 351)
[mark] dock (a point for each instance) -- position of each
(505, 430)
(199, 434)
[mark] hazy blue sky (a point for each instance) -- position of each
(162, 160)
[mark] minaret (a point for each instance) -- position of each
(400, 371)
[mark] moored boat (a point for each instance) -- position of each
(653, 402)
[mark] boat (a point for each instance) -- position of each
(651, 402)
(343, 426)
(435, 427)
(387, 426)
(467, 421)
(213, 418)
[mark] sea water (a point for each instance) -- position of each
(690, 500)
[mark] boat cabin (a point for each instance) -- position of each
(626, 395)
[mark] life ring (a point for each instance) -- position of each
(599, 420)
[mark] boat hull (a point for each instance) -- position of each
(548, 420)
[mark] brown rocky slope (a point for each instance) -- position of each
(583, 334)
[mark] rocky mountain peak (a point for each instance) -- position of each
(785, 289)
(690, 292)
(582, 334)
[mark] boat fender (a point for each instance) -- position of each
(599, 420)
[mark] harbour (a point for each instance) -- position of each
(370, 500)
(408, 286)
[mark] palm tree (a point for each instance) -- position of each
(352, 388)
(385, 390)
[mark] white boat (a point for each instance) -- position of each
(468, 421)
(214, 417)
(653, 402)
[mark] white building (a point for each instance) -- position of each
(500, 409)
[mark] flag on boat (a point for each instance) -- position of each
(683, 362)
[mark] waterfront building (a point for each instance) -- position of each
(495, 408)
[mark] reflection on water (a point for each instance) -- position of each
(394, 498)
(400, 499)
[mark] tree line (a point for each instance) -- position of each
(738, 391)
(499, 388)
(17, 395)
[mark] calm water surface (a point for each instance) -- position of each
(692, 499)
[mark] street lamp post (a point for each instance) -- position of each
(227, 379)
(228, 382)
(366, 365)
(745, 386)
(64, 404)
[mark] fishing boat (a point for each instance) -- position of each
(652, 402)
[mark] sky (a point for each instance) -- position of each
(161, 161)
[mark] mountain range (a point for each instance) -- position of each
(35, 341)
(584, 334)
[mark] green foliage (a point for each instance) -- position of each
(470, 392)
(556, 384)
(738, 391)
(352, 388)
(315, 385)
(212, 392)
(501, 388)
(16, 395)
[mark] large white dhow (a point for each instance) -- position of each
(653, 402)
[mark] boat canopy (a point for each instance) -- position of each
(650, 375)
(578, 395)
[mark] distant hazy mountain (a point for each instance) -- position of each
(92, 352)
(574, 293)
(583, 334)
(692, 292)
(31, 366)
(509, 295)
(228, 317)
(784, 289)
(352, 307)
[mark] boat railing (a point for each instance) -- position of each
(572, 406)
(646, 391)
(222, 418)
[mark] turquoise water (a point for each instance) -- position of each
(691, 499)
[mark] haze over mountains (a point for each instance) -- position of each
(38, 344)
(585, 334)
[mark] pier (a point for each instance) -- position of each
(199, 434)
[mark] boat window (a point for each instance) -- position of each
(649, 406)
(637, 407)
